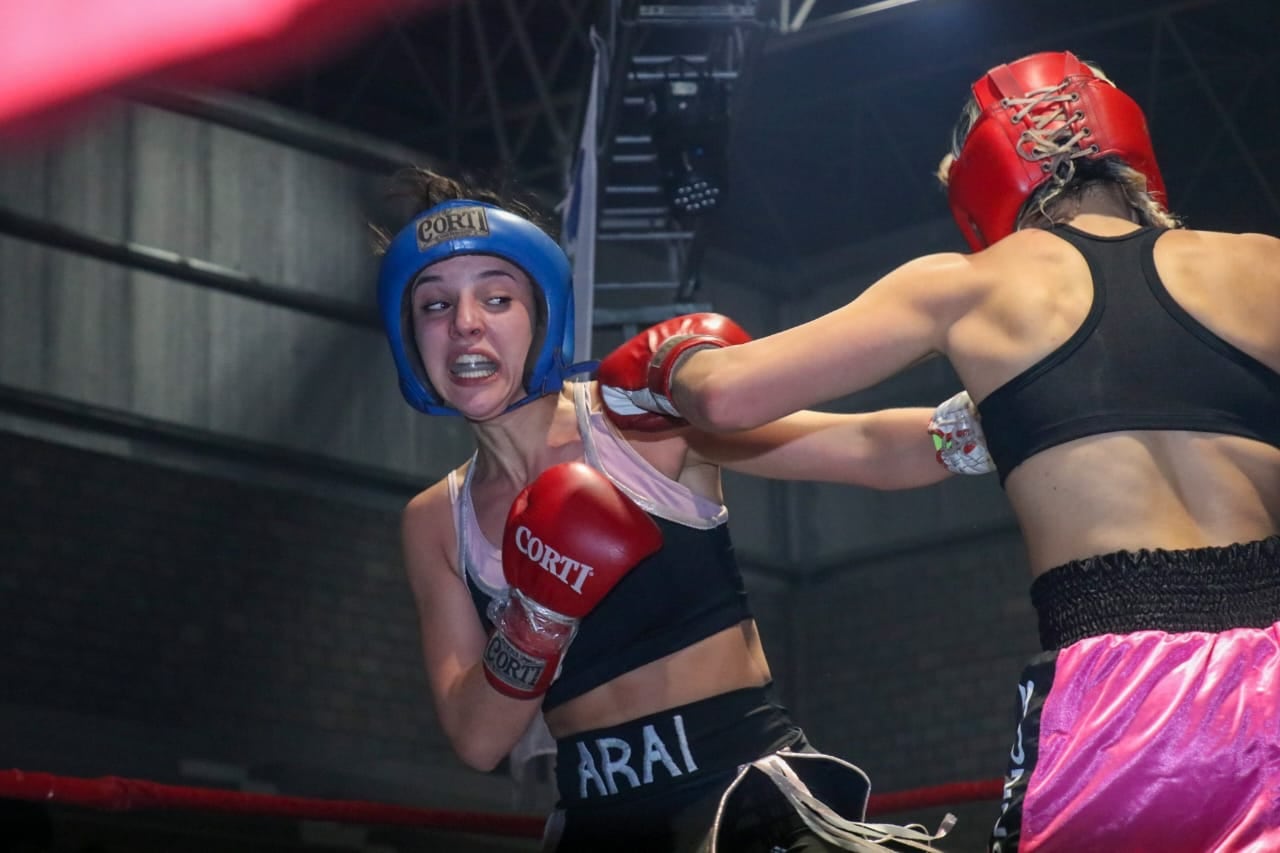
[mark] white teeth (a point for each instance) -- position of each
(473, 366)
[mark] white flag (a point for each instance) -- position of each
(578, 228)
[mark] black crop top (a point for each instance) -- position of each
(1139, 361)
(689, 590)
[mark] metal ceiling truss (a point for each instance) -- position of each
(502, 83)
(807, 20)
(803, 22)
(795, 14)
(1225, 114)
(500, 75)
(651, 44)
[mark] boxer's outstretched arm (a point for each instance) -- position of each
(888, 449)
(902, 318)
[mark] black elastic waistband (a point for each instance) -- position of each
(671, 748)
(1199, 589)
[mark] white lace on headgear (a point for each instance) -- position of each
(1059, 147)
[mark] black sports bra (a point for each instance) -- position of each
(1139, 361)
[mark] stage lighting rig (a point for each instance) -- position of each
(689, 120)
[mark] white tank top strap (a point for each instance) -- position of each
(455, 506)
(609, 452)
(485, 567)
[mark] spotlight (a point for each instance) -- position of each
(689, 120)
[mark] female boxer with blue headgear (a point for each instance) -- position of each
(1128, 379)
(584, 574)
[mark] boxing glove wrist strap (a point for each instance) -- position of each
(667, 358)
(529, 639)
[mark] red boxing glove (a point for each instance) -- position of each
(635, 379)
(571, 535)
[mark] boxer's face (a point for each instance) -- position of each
(473, 322)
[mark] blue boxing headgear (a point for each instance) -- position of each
(476, 228)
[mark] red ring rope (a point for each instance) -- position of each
(113, 793)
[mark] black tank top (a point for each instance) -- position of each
(1139, 361)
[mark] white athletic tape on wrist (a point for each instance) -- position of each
(958, 438)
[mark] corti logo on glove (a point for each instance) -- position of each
(552, 560)
(511, 665)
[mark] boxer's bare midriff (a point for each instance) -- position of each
(1128, 491)
(729, 660)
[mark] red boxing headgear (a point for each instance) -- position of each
(1036, 117)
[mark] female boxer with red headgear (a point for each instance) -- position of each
(582, 573)
(1126, 372)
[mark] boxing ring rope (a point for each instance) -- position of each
(117, 794)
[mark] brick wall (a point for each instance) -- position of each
(157, 620)
(187, 628)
